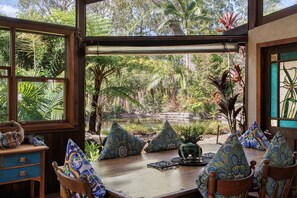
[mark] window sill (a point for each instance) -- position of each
(44, 127)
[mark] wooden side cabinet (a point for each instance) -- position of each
(25, 162)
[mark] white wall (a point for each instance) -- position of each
(277, 30)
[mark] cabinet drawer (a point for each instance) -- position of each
(15, 174)
(20, 159)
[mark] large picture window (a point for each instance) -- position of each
(35, 78)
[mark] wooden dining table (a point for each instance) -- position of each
(130, 176)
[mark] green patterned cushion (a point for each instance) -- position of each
(228, 163)
(76, 165)
(121, 143)
(279, 155)
(166, 140)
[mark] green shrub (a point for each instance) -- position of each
(213, 128)
(139, 129)
(91, 150)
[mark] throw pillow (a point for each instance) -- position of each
(229, 162)
(254, 138)
(76, 165)
(279, 155)
(166, 140)
(121, 143)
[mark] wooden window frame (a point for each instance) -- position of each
(256, 17)
(14, 25)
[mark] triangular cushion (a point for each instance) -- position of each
(254, 138)
(121, 143)
(76, 165)
(228, 163)
(166, 140)
(279, 155)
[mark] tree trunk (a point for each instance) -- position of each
(100, 119)
(93, 116)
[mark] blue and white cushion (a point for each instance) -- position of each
(76, 165)
(229, 162)
(166, 140)
(254, 138)
(121, 143)
(279, 155)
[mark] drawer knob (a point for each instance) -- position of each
(22, 173)
(22, 159)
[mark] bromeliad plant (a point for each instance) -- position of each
(226, 99)
(191, 134)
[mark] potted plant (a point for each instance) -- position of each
(226, 99)
(190, 135)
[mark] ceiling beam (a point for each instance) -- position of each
(163, 40)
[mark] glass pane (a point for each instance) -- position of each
(288, 56)
(4, 48)
(39, 101)
(40, 55)
(3, 72)
(288, 123)
(3, 118)
(3, 99)
(53, 11)
(288, 89)
(161, 18)
(270, 6)
(274, 90)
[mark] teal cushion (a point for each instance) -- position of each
(254, 138)
(279, 155)
(166, 140)
(228, 163)
(76, 165)
(121, 143)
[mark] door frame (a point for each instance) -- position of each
(260, 68)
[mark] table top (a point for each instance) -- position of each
(131, 177)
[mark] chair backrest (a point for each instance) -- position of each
(72, 186)
(228, 188)
(285, 174)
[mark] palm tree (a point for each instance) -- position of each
(182, 16)
(99, 70)
(170, 77)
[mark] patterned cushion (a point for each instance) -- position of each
(121, 143)
(228, 163)
(279, 155)
(166, 140)
(254, 138)
(76, 165)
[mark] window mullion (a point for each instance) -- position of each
(12, 83)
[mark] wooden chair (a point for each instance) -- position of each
(70, 186)
(227, 188)
(278, 174)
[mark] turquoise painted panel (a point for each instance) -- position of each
(288, 123)
(14, 173)
(288, 56)
(14, 160)
(274, 90)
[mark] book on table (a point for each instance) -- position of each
(163, 165)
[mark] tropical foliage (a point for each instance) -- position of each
(132, 84)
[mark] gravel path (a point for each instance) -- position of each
(212, 139)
